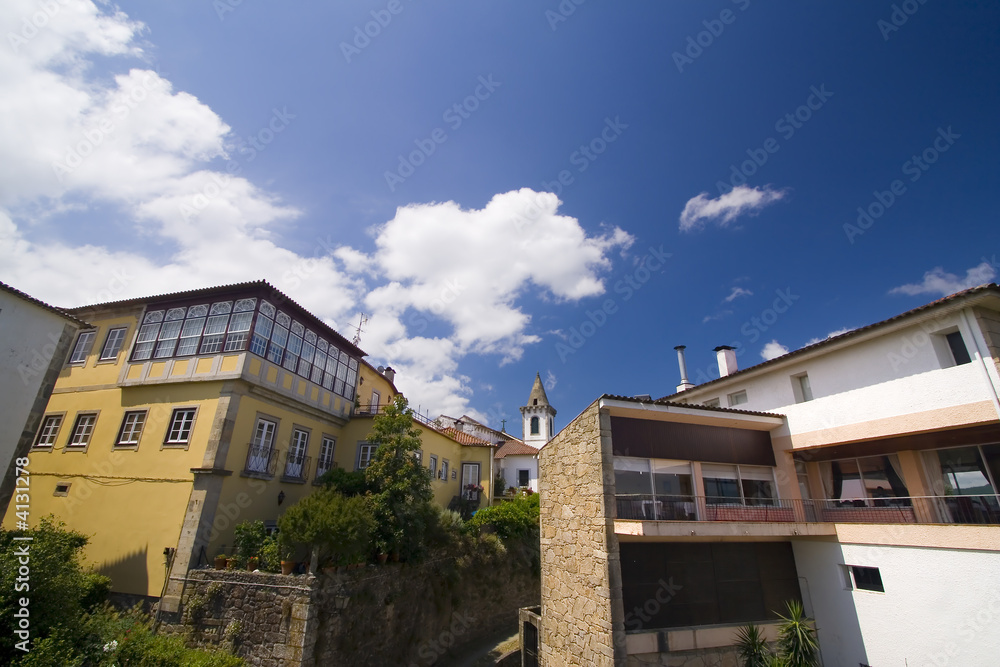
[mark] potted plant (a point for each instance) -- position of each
(287, 564)
(231, 563)
(220, 562)
(252, 563)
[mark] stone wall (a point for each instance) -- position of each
(392, 614)
(582, 617)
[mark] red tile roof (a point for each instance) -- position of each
(465, 438)
(515, 448)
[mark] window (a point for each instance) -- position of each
(523, 477)
(47, 433)
(82, 430)
(801, 388)
(148, 332)
(864, 578)
(366, 452)
(534, 426)
(179, 431)
(261, 451)
(419, 456)
(957, 347)
(739, 398)
(325, 461)
(198, 329)
(296, 460)
(470, 477)
(711, 403)
(872, 480)
(743, 485)
(113, 343)
(62, 489)
(444, 470)
(967, 478)
(551, 427)
(82, 348)
(434, 466)
(375, 401)
(128, 435)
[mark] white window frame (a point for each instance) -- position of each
(134, 432)
(179, 429)
(444, 469)
(324, 462)
(48, 431)
(84, 343)
(733, 398)
(433, 466)
(366, 452)
(298, 447)
(83, 430)
(113, 344)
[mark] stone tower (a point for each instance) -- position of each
(538, 417)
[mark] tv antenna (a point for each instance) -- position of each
(360, 329)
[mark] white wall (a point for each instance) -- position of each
(889, 376)
(511, 464)
(941, 608)
(29, 335)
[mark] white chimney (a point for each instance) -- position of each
(727, 360)
(684, 385)
(390, 374)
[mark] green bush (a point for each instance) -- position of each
(270, 555)
(348, 483)
(249, 540)
(339, 527)
(512, 520)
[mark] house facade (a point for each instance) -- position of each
(178, 416)
(34, 340)
(857, 475)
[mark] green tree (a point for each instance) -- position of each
(346, 482)
(400, 486)
(59, 587)
(339, 527)
(512, 519)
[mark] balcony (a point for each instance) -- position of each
(980, 510)
(296, 467)
(261, 461)
(379, 408)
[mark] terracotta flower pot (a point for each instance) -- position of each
(382, 558)
(287, 566)
(220, 562)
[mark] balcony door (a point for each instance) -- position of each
(259, 457)
(297, 454)
(470, 477)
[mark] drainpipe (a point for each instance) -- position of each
(966, 315)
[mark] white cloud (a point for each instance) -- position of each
(773, 350)
(550, 380)
(832, 334)
(737, 293)
(723, 210)
(142, 152)
(939, 283)
(722, 314)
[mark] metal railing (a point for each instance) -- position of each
(379, 408)
(261, 459)
(983, 509)
(296, 466)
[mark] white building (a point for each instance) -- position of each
(859, 475)
(34, 341)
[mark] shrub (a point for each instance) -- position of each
(512, 519)
(348, 483)
(270, 555)
(249, 540)
(339, 527)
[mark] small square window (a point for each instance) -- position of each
(523, 477)
(801, 388)
(62, 489)
(113, 344)
(82, 348)
(711, 403)
(866, 578)
(738, 398)
(179, 431)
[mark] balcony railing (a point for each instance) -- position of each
(296, 466)
(261, 460)
(983, 510)
(379, 408)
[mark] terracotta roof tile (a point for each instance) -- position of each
(515, 448)
(465, 438)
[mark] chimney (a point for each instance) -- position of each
(684, 385)
(390, 374)
(727, 360)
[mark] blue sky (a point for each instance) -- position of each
(708, 161)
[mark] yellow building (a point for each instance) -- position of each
(178, 416)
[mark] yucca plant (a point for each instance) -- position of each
(797, 638)
(753, 646)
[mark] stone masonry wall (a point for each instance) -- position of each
(581, 614)
(392, 614)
